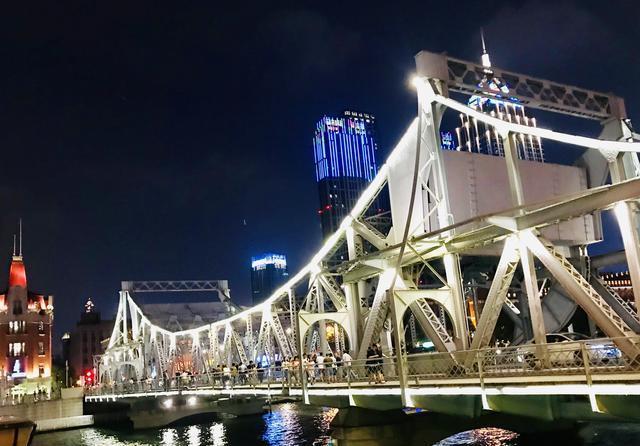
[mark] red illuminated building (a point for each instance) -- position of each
(26, 321)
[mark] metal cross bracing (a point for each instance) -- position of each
(524, 232)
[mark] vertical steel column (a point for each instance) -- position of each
(353, 295)
(624, 166)
(627, 222)
(526, 258)
(293, 315)
(125, 328)
(322, 325)
(400, 351)
(431, 131)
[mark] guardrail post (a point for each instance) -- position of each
(483, 394)
(399, 350)
(587, 372)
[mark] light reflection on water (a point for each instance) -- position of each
(295, 424)
(486, 436)
(285, 428)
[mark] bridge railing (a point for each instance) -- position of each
(585, 360)
(579, 361)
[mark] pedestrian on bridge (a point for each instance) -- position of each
(320, 366)
(346, 364)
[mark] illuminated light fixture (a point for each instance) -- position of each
(192, 400)
(168, 403)
(288, 330)
(416, 81)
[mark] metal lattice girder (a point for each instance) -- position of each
(497, 294)
(239, 347)
(162, 358)
(583, 294)
(355, 247)
(281, 337)
(370, 233)
(311, 299)
(377, 313)
(333, 290)
(265, 326)
(293, 315)
(249, 334)
(148, 286)
(622, 306)
(418, 303)
(226, 343)
(432, 325)
(467, 77)
(412, 329)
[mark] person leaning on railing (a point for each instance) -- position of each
(346, 363)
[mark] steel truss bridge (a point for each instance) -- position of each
(413, 277)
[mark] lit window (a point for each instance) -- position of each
(16, 348)
(16, 327)
(41, 370)
(41, 348)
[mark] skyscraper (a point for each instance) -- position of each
(474, 136)
(268, 272)
(345, 160)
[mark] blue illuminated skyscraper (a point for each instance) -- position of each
(345, 160)
(268, 272)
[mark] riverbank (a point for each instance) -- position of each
(65, 412)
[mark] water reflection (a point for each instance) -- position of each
(92, 437)
(169, 437)
(193, 435)
(218, 436)
(486, 436)
(294, 424)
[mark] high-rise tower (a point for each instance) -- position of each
(474, 136)
(268, 272)
(345, 160)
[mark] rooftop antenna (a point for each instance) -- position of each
(20, 245)
(486, 62)
(14, 245)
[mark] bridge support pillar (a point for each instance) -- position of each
(359, 416)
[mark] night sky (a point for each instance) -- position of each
(139, 137)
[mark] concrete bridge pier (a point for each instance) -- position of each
(153, 412)
(361, 426)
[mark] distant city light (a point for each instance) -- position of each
(279, 261)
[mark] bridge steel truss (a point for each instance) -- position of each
(365, 297)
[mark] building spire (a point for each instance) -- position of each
(486, 62)
(20, 245)
(14, 245)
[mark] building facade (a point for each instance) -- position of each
(26, 320)
(86, 341)
(344, 151)
(268, 272)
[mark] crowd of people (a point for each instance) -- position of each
(318, 367)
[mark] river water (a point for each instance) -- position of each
(295, 424)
